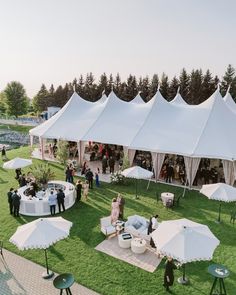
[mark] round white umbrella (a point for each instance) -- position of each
(220, 192)
(17, 163)
(185, 241)
(137, 172)
(41, 234)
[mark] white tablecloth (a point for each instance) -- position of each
(167, 196)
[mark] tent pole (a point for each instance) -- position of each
(218, 220)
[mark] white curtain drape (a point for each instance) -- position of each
(157, 162)
(125, 150)
(191, 167)
(41, 146)
(234, 163)
(229, 172)
(81, 150)
(31, 141)
(131, 154)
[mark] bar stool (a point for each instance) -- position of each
(64, 282)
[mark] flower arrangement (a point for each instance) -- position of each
(117, 178)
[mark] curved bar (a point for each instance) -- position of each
(39, 206)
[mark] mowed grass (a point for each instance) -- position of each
(105, 274)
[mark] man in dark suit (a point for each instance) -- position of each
(61, 200)
(10, 200)
(16, 203)
(89, 177)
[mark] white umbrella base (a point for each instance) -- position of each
(48, 275)
(183, 281)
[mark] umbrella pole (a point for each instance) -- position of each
(183, 280)
(218, 220)
(136, 185)
(48, 274)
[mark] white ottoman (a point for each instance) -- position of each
(124, 240)
(138, 246)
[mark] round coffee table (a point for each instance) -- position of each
(138, 246)
(218, 272)
(64, 282)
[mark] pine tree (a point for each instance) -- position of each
(40, 101)
(59, 96)
(118, 87)
(227, 79)
(154, 86)
(80, 86)
(174, 85)
(208, 86)
(143, 86)
(164, 89)
(184, 84)
(195, 87)
(131, 88)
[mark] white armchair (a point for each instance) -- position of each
(137, 226)
(106, 227)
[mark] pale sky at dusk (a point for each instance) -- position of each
(54, 41)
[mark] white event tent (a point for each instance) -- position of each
(203, 131)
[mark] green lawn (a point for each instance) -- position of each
(105, 274)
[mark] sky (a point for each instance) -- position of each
(54, 41)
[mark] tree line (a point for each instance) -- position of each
(195, 87)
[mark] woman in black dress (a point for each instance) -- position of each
(169, 273)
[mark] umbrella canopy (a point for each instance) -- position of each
(17, 163)
(41, 233)
(185, 240)
(219, 191)
(137, 173)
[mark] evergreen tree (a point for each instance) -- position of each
(143, 87)
(131, 88)
(174, 85)
(154, 86)
(110, 84)
(80, 86)
(227, 79)
(41, 101)
(164, 89)
(195, 87)
(103, 84)
(118, 87)
(15, 98)
(59, 96)
(208, 86)
(184, 84)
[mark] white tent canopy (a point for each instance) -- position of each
(178, 100)
(230, 102)
(138, 99)
(206, 130)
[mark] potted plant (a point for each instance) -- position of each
(42, 173)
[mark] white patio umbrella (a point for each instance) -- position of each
(137, 172)
(41, 234)
(219, 191)
(185, 241)
(17, 163)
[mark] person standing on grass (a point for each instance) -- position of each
(85, 190)
(97, 182)
(16, 203)
(52, 201)
(169, 273)
(61, 200)
(10, 200)
(4, 153)
(78, 188)
(89, 178)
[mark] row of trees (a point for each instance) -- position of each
(195, 87)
